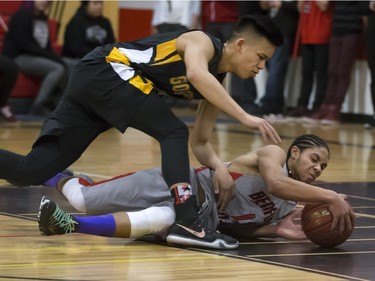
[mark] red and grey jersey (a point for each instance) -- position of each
(156, 59)
(252, 202)
(136, 191)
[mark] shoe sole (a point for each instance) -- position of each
(217, 244)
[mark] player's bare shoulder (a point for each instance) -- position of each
(194, 35)
(196, 38)
(271, 150)
(246, 164)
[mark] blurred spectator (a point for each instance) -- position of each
(8, 78)
(175, 15)
(370, 42)
(28, 43)
(315, 27)
(87, 29)
(285, 14)
(219, 17)
(347, 28)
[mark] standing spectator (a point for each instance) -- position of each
(219, 17)
(175, 15)
(28, 43)
(347, 28)
(86, 30)
(370, 42)
(314, 32)
(285, 15)
(8, 78)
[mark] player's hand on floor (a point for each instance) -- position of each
(288, 229)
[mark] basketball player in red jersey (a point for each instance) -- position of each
(269, 182)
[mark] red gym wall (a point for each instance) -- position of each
(134, 19)
(134, 24)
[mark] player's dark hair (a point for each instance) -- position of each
(307, 141)
(261, 25)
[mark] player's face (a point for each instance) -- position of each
(310, 163)
(251, 56)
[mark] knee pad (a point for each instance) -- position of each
(73, 192)
(150, 220)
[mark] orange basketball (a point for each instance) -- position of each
(316, 220)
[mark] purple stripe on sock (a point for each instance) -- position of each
(97, 225)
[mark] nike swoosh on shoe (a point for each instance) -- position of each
(200, 234)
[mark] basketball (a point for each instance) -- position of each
(316, 220)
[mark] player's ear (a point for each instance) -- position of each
(294, 152)
(240, 43)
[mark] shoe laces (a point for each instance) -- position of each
(63, 221)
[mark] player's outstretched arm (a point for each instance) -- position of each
(197, 50)
(271, 160)
(206, 155)
(286, 228)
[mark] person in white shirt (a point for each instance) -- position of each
(175, 15)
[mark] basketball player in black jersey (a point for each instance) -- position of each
(119, 85)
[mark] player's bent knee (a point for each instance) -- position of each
(73, 192)
(150, 220)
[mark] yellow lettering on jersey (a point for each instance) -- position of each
(144, 84)
(164, 50)
(181, 87)
(116, 56)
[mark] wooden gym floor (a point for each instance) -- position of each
(25, 255)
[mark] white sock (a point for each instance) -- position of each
(72, 191)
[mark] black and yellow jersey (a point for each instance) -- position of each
(155, 59)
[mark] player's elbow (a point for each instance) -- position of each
(194, 75)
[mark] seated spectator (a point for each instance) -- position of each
(86, 30)
(28, 43)
(8, 78)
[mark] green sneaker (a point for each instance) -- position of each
(54, 221)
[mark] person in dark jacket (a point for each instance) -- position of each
(28, 43)
(86, 30)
